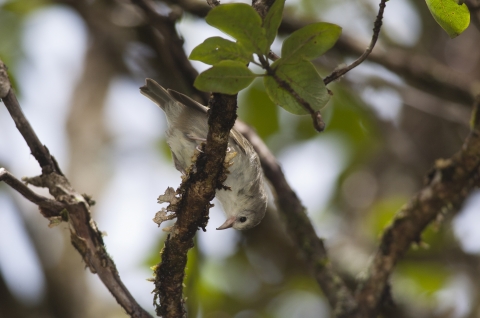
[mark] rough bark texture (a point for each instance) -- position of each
(192, 211)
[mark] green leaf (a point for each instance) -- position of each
(451, 16)
(310, 42)
(272, 21)
(216, 49)
(305, 82)
(242, 22)
(227, 77)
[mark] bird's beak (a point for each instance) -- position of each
(228, 223)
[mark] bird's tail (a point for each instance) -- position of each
(157, 94)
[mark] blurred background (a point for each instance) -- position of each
(77, 66)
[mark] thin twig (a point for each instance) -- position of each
(376, 31)
(85, 236)
(449, 183)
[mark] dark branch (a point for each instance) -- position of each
(192, 211)
(85, 236)
(448, 184)
(376, 31)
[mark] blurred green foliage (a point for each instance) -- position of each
(381, 214)
(257, 109)
(164, 149)
(428, 277)
(349, 117)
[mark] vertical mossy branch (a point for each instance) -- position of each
(196, 192)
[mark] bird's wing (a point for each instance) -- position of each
(239, 140)
(187, 101)
(156, 93)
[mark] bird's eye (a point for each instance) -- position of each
(242, 219)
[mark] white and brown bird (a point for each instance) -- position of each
(246, 202)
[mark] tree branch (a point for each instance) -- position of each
(448, 184)
(376, 31)
(49, 208)
(85, 236)
(196, 192)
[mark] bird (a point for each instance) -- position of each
(187, 127)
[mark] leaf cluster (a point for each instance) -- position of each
(291, 82)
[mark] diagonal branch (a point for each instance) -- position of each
(376, 31)
(449, 183)
(85, 236)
